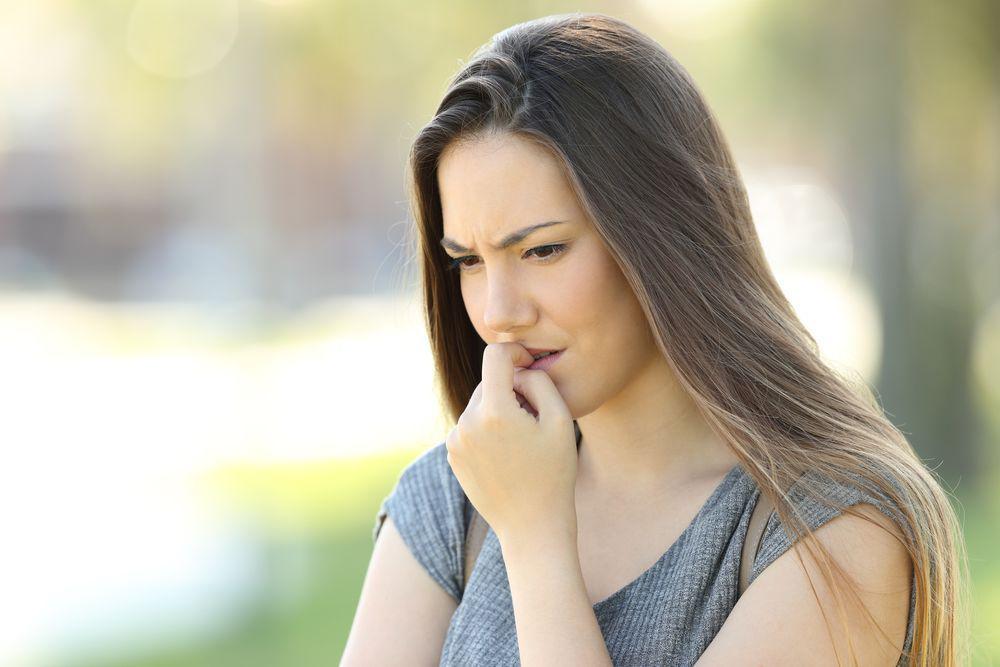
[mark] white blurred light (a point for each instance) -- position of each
(338, 398)
(841, 314)
(807, 240)
(43, 56)
(113, 415)
(800, 220)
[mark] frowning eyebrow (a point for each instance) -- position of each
(509, 240)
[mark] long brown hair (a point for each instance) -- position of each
(648, 161)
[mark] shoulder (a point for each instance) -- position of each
(428, 470)
(791, 615)
(428, 507)
(850, 505)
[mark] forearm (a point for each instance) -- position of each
(552, 612)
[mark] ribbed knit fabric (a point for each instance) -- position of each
(667, 616)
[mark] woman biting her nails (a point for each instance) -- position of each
(574, 194)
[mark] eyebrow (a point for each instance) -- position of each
(509, 240)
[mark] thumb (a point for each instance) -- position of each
(537, 387)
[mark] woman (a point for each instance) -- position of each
(573, 193)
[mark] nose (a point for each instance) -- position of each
(507, 307)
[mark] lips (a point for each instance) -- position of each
(546, 362)
(537, 351)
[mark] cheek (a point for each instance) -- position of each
(605, 312)
(600, 293)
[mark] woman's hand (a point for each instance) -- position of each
(518, 470)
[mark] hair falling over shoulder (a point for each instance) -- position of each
(650, 165)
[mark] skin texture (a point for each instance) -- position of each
(403, 614)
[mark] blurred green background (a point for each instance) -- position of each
(211, 347)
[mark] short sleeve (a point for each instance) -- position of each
(816, 512)
(427, 505)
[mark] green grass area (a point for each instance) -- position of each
(325, 514)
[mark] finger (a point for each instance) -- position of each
(477, 395)
(522, 401)
(499, 360)
(539, 389)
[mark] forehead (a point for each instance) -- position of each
(501, 183)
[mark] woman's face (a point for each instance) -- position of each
(572, 297)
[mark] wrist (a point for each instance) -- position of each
(551, 533)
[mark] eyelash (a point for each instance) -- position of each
(557, 249)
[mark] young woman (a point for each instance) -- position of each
(573, 193)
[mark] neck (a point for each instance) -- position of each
(650, 437)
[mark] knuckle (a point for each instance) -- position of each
(453, 443)
(528, 378)
(490, 418)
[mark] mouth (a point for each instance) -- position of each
(544, 359)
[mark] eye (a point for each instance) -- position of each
(551, 251)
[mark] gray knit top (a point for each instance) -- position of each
(667, 616)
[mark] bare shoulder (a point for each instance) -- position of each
(403, 614)
(778, 621)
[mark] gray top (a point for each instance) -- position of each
(667, 616)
